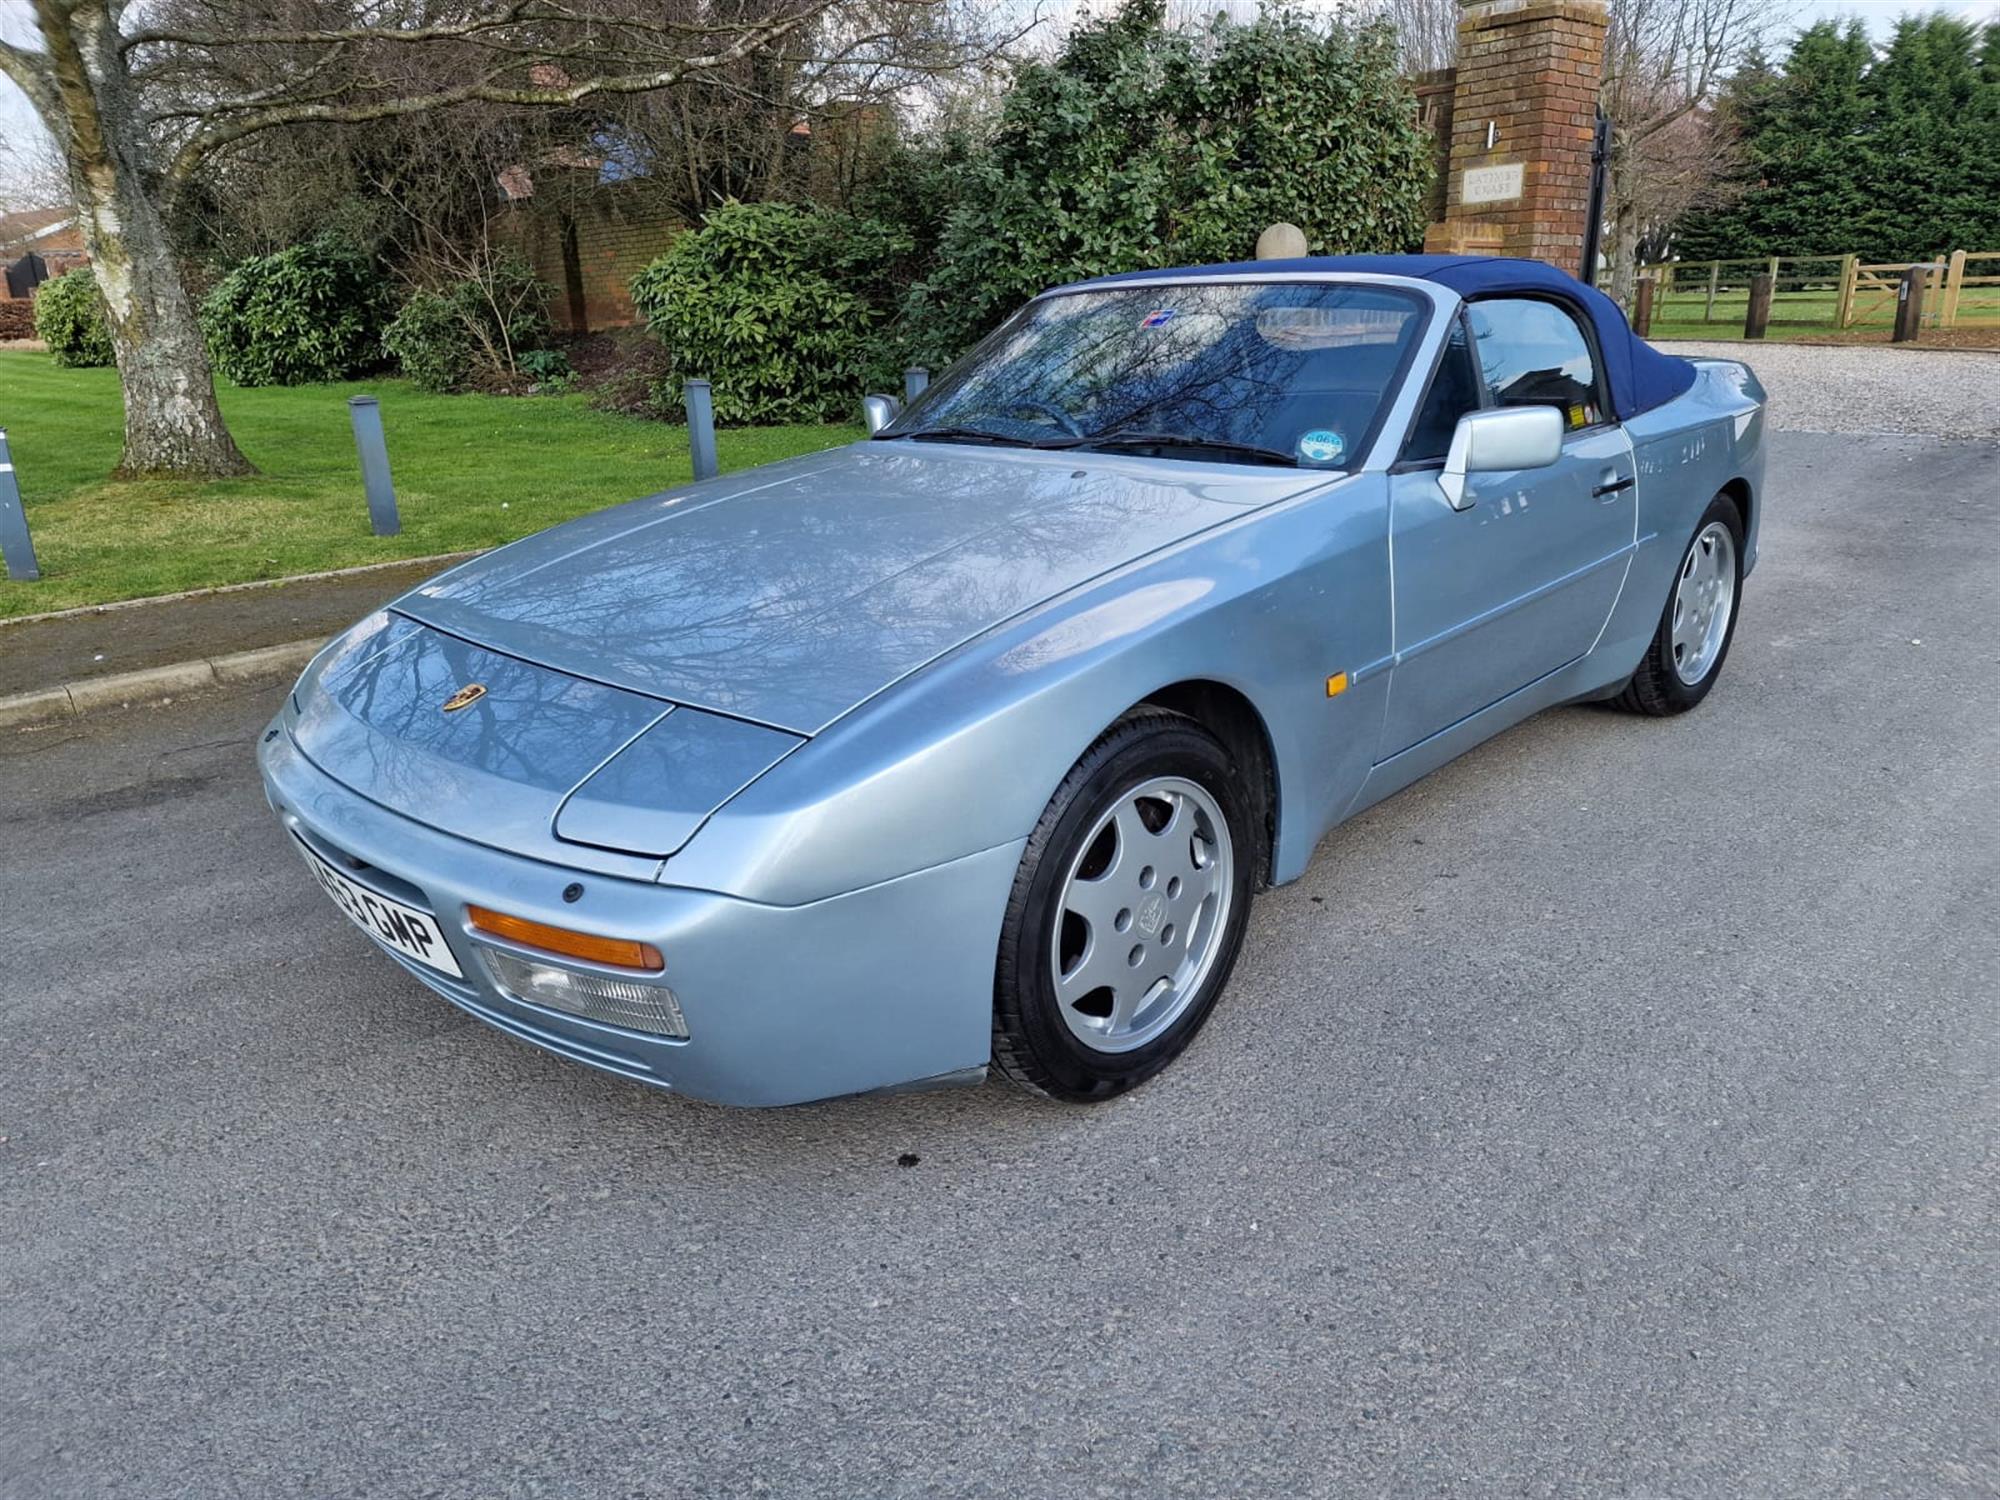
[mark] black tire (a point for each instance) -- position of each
(1032, 1044)
(1656, 688)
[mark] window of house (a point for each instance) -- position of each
(1534, 354)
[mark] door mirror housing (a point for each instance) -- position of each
(879, 411)
(1490, 442)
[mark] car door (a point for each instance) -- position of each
(1489, 598)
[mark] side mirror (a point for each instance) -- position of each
(1488, 442)
(879, 411)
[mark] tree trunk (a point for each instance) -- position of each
(1624, 246)
(172, 423)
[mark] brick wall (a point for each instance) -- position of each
(616, 234)
(1531, 69)
(1434, 91)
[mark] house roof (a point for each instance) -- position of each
(28, 224)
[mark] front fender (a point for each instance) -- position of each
(963, 755)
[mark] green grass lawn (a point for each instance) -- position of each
(470, 471)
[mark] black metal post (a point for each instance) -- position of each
(1910, 305)
(1757, 312)
(1600, 173)
(15, 543)
(365, 413)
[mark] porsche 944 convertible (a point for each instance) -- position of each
(969, 743)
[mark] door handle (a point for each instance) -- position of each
(1611, 487)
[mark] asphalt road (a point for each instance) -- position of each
(1611, 1115)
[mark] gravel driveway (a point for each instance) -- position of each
(1854, 389)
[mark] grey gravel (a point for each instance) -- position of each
(1611, 1115)
(1866, 388)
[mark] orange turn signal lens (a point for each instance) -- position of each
(621, 953)
(1336, 684)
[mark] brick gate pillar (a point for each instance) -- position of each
(1522, 116)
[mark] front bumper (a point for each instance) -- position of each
(884, 987)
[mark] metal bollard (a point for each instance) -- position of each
(366, 415)
(700, 403)
(914, 380)
(15, 543)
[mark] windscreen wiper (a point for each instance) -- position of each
(1116, 440)
(958, 435)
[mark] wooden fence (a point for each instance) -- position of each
(1827, 291)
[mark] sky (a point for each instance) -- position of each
(1881, 14)
(19, 130)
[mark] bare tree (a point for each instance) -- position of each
(31, 171)
(1426, 31)
(138, 100)
(1663, 61)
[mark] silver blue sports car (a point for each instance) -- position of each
(968, 744)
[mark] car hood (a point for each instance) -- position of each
(789, 594)
(508, 753)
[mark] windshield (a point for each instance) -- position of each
(1251, 372)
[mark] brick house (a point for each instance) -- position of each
(35, 244)
(588, 222)
(584, 236)
(50, 233)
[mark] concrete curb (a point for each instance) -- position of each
(93, 695)
(238, 588)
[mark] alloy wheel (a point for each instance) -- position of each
(1704, 599)
(1143, 908)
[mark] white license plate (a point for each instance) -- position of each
(404, 928)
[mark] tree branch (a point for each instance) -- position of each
(519, 10)
(484, 90)
(285, 88)
(512, 14)
(1654, 126)
(30, 73)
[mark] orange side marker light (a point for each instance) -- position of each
(622, 953)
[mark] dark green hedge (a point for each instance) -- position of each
(783, 307)
(309, 313)
(69, 318)
(1144, 145)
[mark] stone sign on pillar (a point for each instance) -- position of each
(1523, 110)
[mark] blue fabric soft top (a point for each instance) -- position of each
(1640, 376)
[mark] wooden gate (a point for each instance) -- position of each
(1868, 292)
(1980, 271)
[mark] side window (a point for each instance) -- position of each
(1534, 354)
(1454, 392)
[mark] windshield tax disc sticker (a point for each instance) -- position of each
(1159, 317)
(1321, 446)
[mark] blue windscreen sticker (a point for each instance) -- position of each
(1321, 446)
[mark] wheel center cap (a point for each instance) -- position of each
(1149, 912)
